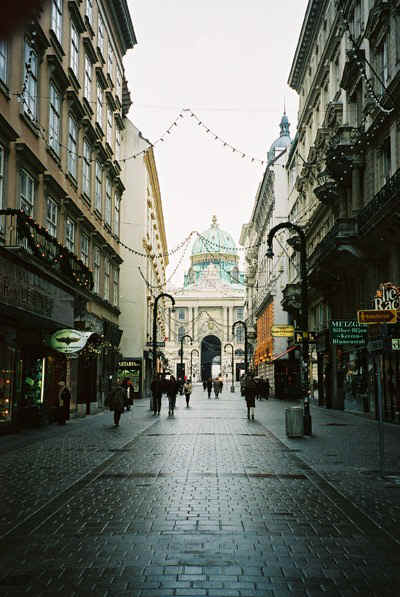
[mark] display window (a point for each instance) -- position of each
(7, 377)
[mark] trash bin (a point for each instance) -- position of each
(294, 421)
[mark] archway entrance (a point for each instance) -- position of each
(210, 355)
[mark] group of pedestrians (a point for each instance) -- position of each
(161, 385)
(216, 384)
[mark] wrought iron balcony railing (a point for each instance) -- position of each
(384, 203)
(20, 231)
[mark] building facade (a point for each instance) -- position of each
(206, 307)
(63, 98)
(142, 274)
(343, 175)
(266, 277)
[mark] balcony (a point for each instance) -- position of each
(383, 205)
(327, 191)
(19, 232)
(340, 155)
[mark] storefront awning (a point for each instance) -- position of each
(282, 354)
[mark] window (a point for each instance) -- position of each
(117, 200)
(72, 146)
(116, 288)
(85, 248)
(54, 118)
(117, 143)
(107, 279)
(2, 173)
(110, 59)
(86, 178)
(70, 234)
(118, 83)
(382, 63)
(100, 34)
(98, 189)
(239, 334)
(181, 332)
(51, 218)
(96, 270)
(109, 125)
(239, 313)
(30, 82)
(181, 314)
(88, 78)
(3, 60)
(74, 58)
(27, 192)
(56, 19)
(107, 215)
(99, 111)
(89, 11)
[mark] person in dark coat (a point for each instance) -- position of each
(125, 385)
(64, 400)
(117, 402)
(250, 392)
(204, 384)
(209, 386)
(171, 393)
(266, 389)
(217, 387)
(157, 391)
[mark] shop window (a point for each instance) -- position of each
(33, 382)
(7, 377)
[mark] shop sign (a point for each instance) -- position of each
(395, 343)
(159, 344)
(282, 331)
(343, 331)
(129, 363)
(387, 297)
(371, 316)
(69, 341)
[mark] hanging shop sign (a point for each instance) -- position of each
(282, 331)
(343, 331)
(371, 316)
(69, 341)
(387, 297)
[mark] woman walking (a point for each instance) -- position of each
(187, 390)
(117, 402)
(171, 393)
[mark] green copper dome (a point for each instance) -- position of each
(215, 241)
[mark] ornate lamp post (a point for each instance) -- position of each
(233, 366)
(191, 360)
(182, 339)
(246, 364)
(301, 247)
(155, 326)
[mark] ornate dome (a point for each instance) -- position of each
(214, 241)
(283, 141)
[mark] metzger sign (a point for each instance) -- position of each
(343, 331)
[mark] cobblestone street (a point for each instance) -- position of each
(205, 503)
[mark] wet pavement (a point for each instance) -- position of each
(205, 503)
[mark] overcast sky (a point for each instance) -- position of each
(228, 61)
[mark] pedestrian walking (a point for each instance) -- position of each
(250, 392)
(156, 391)
(209, 386)
(126, 387)
(221, 385)
(64, 399)
(172, 391)
(187, 390)
(217, 386)
(266, 389)
(204, 384)
(180, 383)
(117, 402)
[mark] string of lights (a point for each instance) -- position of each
(159, 286)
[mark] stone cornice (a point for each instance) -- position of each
(152, 171)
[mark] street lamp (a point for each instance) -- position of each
(246, 365)
(182, 339)
(155, 326)
(191, 360)
(233, 383)
(301, 247)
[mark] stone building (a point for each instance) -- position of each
(142, 273)
(267, 277)
(343, 172)
(206, 307)
(63, 98)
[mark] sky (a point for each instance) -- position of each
(228, 62)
